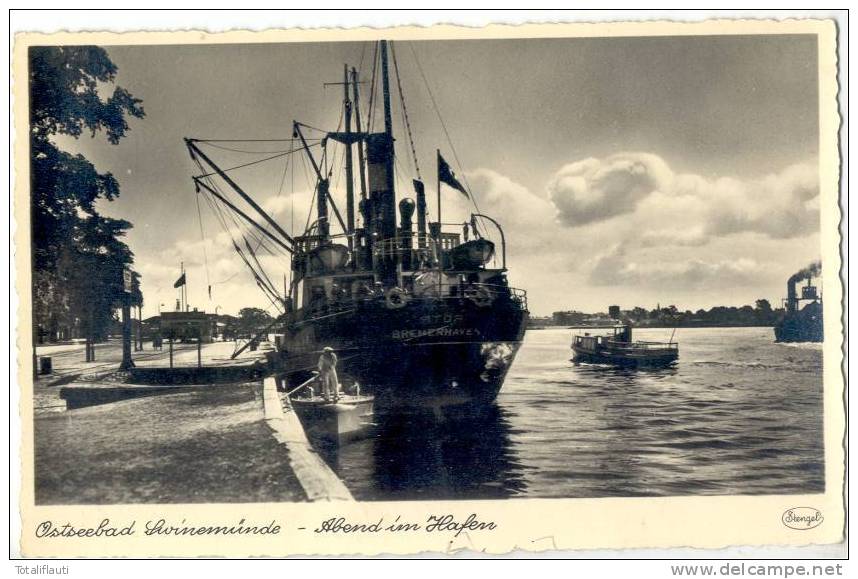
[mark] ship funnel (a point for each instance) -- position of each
(382, 202)
(380, 169)
(792, 300)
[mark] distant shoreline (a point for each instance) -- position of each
(654, 327)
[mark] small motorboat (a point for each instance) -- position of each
(619, 349)
(346, 417)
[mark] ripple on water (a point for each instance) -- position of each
(737, 415)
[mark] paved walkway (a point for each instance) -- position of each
(206, 446)
(69, 358)
(68, 364)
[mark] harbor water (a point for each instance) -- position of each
(738, 414)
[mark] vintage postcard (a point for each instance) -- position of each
(445, 290)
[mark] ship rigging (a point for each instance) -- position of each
(415, 309)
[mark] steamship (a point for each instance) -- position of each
(418, 311)
(801, 323)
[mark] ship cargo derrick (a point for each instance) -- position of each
(418, 310)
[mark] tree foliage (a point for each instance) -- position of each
(78, 254)
(65, 96)
(253, 320)
(670, 316)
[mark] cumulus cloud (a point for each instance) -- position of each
(673, 233)
(212, 261)
(685, 209)
(513, 200)
(283, 206)
(593, 190)
(677, 237)
(781, 206)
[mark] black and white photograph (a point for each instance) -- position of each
(386, 268)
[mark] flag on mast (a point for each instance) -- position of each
(446, 175)
(181, 281)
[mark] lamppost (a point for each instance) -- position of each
(127, 279)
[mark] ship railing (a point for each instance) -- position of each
(427, 247)
(476, 291)
(636, 345)
(433, 246)
(396, 247)
(481, 294)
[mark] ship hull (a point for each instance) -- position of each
(801, 326)
(432, 352)
(631, 361)
(797, 331)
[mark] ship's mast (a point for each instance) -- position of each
(361, 240)
(381, 205)
(389, 197)
(361, 165)
(378, 197)
(385, 87)
(350, 192)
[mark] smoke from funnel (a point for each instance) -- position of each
(811, 271)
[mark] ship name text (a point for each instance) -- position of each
(412, 334)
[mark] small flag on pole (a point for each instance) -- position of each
(180, 282)
(446, 175)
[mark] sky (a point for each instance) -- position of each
(630, 171)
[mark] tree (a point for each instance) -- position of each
(76, 251)
(639, 313)
(253, 320)
(764, 314)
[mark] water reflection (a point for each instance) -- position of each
(431, 454)
(623, 374)
(738, 415)
(614, 412)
